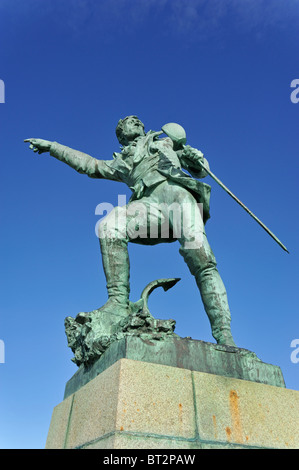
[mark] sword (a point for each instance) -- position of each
(178, 136)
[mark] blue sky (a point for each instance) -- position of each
(222, 69)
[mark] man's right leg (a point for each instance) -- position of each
(115, 259)
(121, 225)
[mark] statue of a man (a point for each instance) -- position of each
(152, 167)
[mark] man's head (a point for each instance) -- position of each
(128, 129)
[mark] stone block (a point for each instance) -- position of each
(59, 424)
(153, 400)
(245, 413)
(94, 409)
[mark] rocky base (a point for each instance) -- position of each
(88, 344)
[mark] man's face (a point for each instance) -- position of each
(132, 128)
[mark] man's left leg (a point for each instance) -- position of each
(202, 264)
(201, 261)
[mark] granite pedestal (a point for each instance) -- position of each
(179, 394)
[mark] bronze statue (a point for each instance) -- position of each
(153, 168)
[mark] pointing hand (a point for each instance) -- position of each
(39, 145)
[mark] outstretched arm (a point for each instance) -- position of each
(81, 162)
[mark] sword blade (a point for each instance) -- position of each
(244, 207)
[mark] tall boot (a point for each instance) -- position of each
(202, 265)
(115, 259)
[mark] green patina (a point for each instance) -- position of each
(162, 173)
